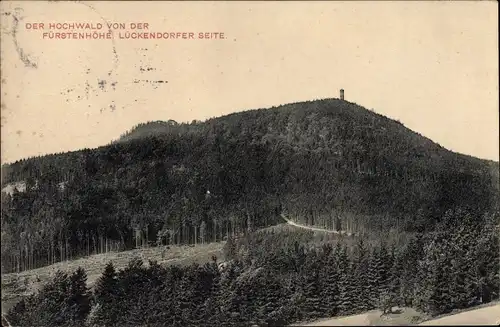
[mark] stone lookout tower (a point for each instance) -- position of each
(341, 94)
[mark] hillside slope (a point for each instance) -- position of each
(327, 163)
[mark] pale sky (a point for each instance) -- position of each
(431, 65)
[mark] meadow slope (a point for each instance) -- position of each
(17, 285)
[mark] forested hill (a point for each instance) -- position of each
(328, 162)
(331, 124)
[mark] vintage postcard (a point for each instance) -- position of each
(249, 163)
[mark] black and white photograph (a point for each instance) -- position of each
(249, 163)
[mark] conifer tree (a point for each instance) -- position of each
(330, 284)
(394, 280)
(434, 278)
(107, 297)
(51, 299)
(212, 309)
(230, 249)
(78, 303)
(19, 314)
(228, 301)
(487, 265)
(312, 304)
(360, 283)
(269, 297)
(346, 298)
(373, 286)
(409, 259)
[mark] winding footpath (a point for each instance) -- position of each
(316, 229)
(5, 323)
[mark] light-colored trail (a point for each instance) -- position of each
(316, 229)
(5, 322)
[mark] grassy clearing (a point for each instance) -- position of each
(17, 285)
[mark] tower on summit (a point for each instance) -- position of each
(341, 94)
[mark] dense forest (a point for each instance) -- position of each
(329, 163)
(276, 278)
